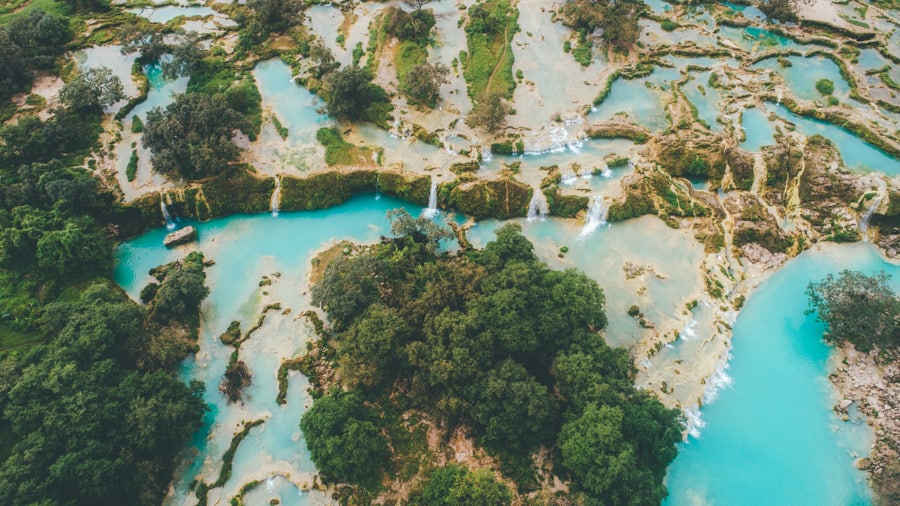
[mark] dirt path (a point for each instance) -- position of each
(506, 42)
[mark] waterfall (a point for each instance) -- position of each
(867, 215)
(276, 196)
(431, 211)
(377, 195)
(596, 216)
(486, 154)
(538, 207)
(170, 223)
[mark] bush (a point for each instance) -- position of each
(668, 25)
(825, 86)
(131, 169)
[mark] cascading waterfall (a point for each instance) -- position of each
(276, 196)
(538, 207)
(431, 211)
(170, 223)
(867, 215)
(596, 216)
(486, 154)
(377, 195)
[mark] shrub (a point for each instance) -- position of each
(825, 86)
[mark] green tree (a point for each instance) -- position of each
(455, 485)
(489, 113)
(512, 411)
(367, 353)
(782, 10)
(344, 440)
(423, 82)
(182, 290)
(351, 95)
(348, 288)
(594, 450)
(861, 309)
(91, 90)
(191, 137)
(88, 429)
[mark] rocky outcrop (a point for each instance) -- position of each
(618, 127)
(498, 198)
(754, 224)
(650, 190)
(180, 236)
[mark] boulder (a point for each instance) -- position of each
(180, 236)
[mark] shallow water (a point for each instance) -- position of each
(857, 154)
(771, 437)
(757, 129)
(298, 110)
(803, 74)
(245, 248)
(641, 99)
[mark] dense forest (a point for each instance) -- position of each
(489, 342)
(90, 409)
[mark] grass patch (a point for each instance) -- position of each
(15, 8)
(487, 67)
(340, 152)
(409, 54)
(280, 128)
(606, 89)
(131, 169)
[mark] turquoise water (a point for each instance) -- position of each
(641, 99)
(769, 440)
(245, 248)
(756, 39)
(757, 129)
(296, 107)
(803, 74)
(857, 154)
(705, 98)
(772, 437)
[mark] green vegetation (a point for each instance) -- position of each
(122, 449)
(280, 128)
(423, 83)
(617, 19)
(489, 340)
(351, 95)
(27, 44)
(137, 124)
(487, 66)
(131, 168)
(191, 137)
(825, 86)
(668, 25)
(859, 309)
(455, 484)
(340, 152)
(265, 17)
(582, 52)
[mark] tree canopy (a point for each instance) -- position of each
(192, 136)
(863, 310)
(351, 95)
(494, 342)
(89, 427)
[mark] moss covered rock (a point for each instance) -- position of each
(498, 198)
